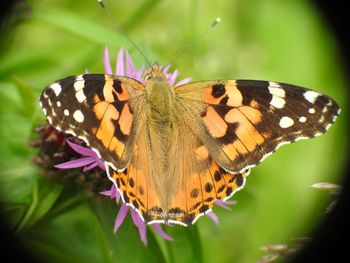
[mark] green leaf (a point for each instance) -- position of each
(186, 246)
(44, 195)
(28, 96)
(80, 26)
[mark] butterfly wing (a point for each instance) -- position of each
(243, 121)
(178, 188)
(99, 110)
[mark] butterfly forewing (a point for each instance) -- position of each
(243, 121)
(95, 108)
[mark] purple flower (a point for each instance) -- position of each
(89, 159)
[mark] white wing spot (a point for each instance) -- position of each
(274, 84)
(78, 116)
(66, 112)
(286, 122)
(278, 95)
(302, 119)
(277, 102)
(312, 111)
(80, 95)
(276, 90)
(58, 103)
(79, 85)
(311, 96)
(56, 87)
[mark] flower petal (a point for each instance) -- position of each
(224, 204)
(139, 74)
(101, 164)
(120, 217)
(112, 193)
(90, 167)
(76, 163)
(140, 225)
(129, 66)
(161, 232)
(136, 218)
(82, 150)
(166, 68)
(106, 62)
(120, 63)
(213, 217)
(173, 77)
(183, 81)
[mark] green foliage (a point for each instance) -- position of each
(276, 40)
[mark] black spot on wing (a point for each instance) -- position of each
(254, 90)
(218, 90)
(117, 86)
(230, 135)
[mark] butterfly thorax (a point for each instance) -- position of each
(160, 97)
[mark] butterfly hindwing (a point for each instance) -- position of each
(176, 187)
(97, 109)
(243, 121)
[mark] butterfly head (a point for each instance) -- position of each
(154, 73)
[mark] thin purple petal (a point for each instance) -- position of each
(101, 164)
(90, 167)
(113, 190)
(107, 193)
(166, 69)
(213, 217)
(120, 63)
(76, 163)
(161, 232)
(184, 81)
(139, 74)
(120, 217)
(106, 62)
(129, 66)
(224, 204)
(136, 218)
(117, 197)
(142, 233)
(112, 193)
(173, 77)
(82, 150)
(140, 225)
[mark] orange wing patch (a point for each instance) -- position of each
(201, 190)
(114, 115)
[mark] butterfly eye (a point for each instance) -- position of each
(148, 76)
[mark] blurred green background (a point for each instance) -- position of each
(287, 41)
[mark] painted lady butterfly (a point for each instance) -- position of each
(172, 151)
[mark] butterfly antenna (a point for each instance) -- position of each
(195, 40)
(121, 30)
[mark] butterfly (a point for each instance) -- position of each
(173, 151)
